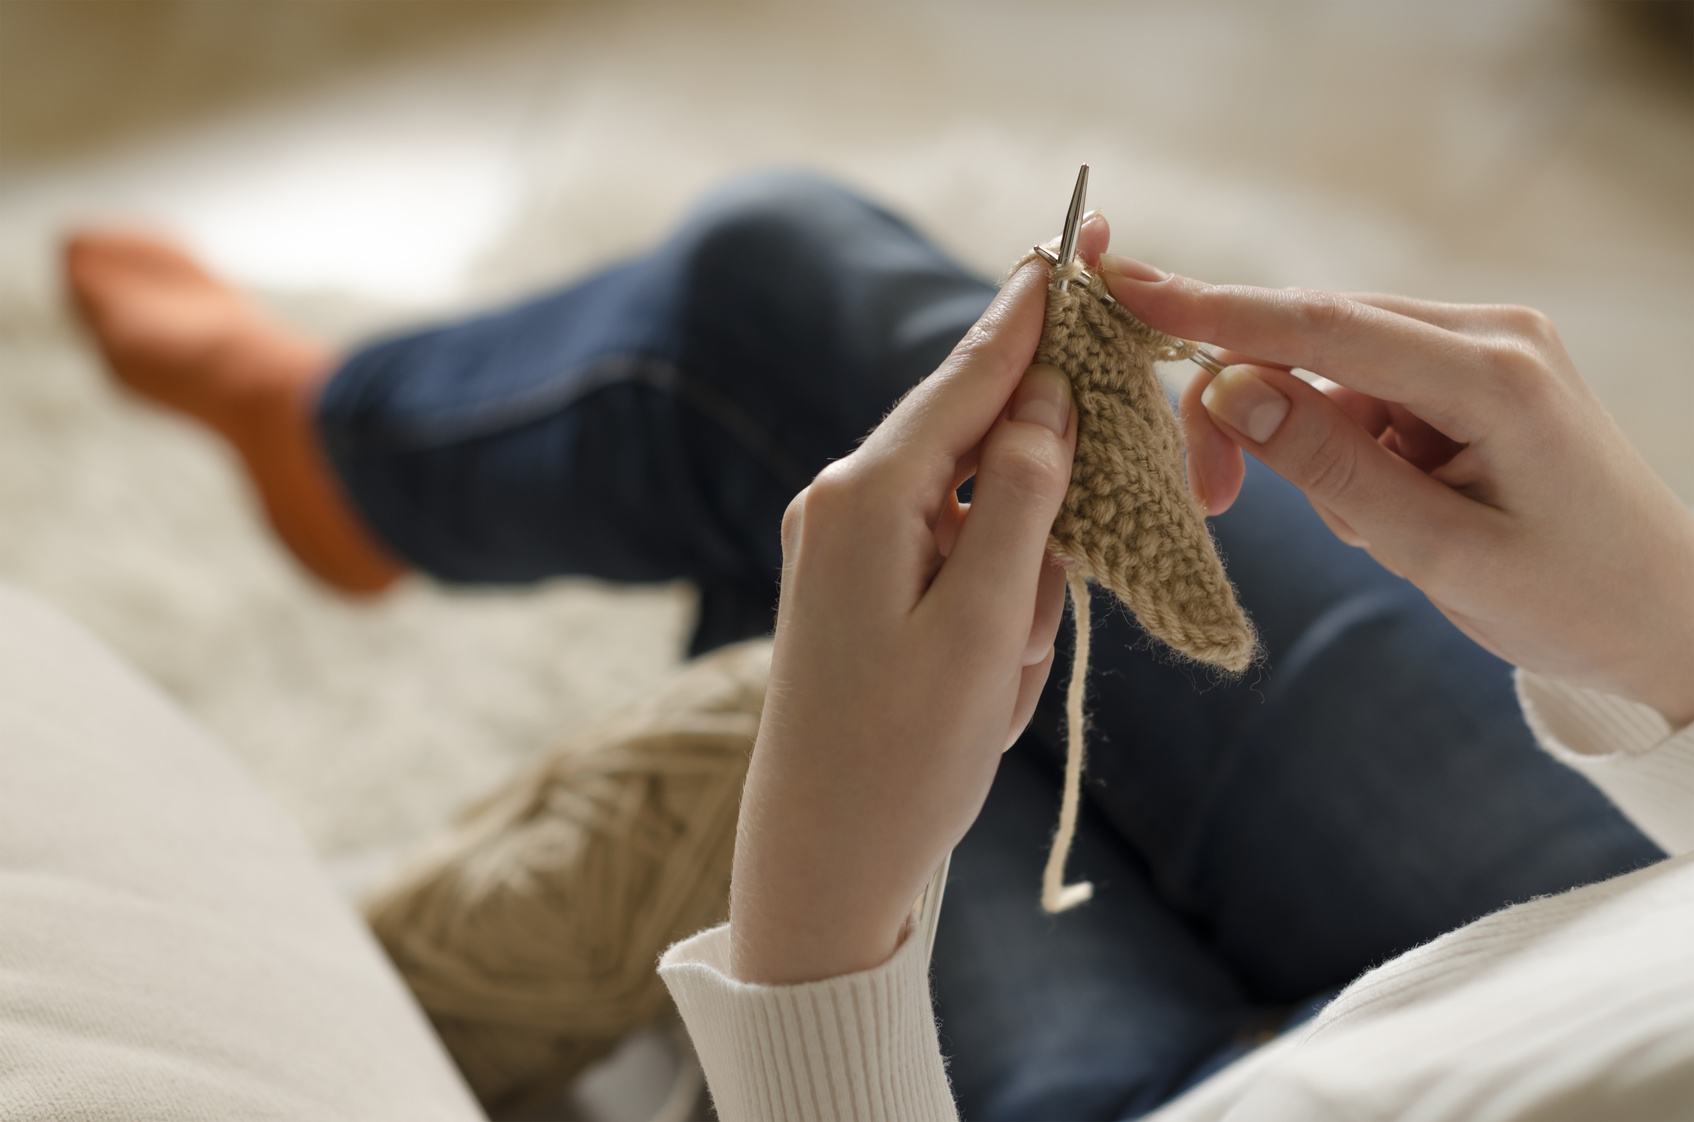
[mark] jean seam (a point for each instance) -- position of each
(467, 423)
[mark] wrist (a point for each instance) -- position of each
(815, 892)
(787, 933)
(1664, 677)
(1659, 671)
(1662, 673)
(1671, 693)
(779, 952)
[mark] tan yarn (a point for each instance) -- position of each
(1056, 895)
(1127, 521)
(529, 933)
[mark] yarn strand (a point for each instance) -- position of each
(1127, 521)
(1056, 895)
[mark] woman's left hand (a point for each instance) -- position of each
(912, 641)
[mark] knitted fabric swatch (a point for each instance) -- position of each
(1128, 522)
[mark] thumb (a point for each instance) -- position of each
(1021, 478)
(1313, 443)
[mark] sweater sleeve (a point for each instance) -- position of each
(1626, 749)
(860, 1046)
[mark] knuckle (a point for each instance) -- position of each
(1317, 318)
(1515, 371)
(832, 495)
(1024, 471)
(835, 511)
(1324, 313)
(1528, 323)
(1224, 310)
(1331, 470)
(978, 339)
(792, 520)
(842, 501)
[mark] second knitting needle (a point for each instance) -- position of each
(1067, 254)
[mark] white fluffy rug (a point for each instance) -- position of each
(1444, 150)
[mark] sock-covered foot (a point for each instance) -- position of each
(173, 333)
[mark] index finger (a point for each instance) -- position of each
(949, 412)
(1370, 349)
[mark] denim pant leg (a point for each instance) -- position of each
(1101, 1012)
(1373, 786)
(1370, 788)
(652, 421)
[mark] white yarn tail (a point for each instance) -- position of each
(1056, 895)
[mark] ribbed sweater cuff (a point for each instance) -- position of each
(861, 1046)
(1624, 748)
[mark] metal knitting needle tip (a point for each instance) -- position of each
(1073, 222)
(1206, 361)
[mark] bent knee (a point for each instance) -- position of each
(775, 223)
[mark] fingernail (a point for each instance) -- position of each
(1043, 398)
(1131, 268)
(1247, 403)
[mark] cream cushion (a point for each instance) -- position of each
(169, 948)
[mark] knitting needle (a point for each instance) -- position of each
(1073, 223)
(1067, 254)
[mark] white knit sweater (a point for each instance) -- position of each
(1572, 1006)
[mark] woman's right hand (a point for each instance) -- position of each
(1459, 446)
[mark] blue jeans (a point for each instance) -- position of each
(1254, 844)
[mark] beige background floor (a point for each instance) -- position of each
(363, 165)
(368, 164)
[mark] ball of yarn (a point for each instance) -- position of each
(530, 931)
(1128, 521)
